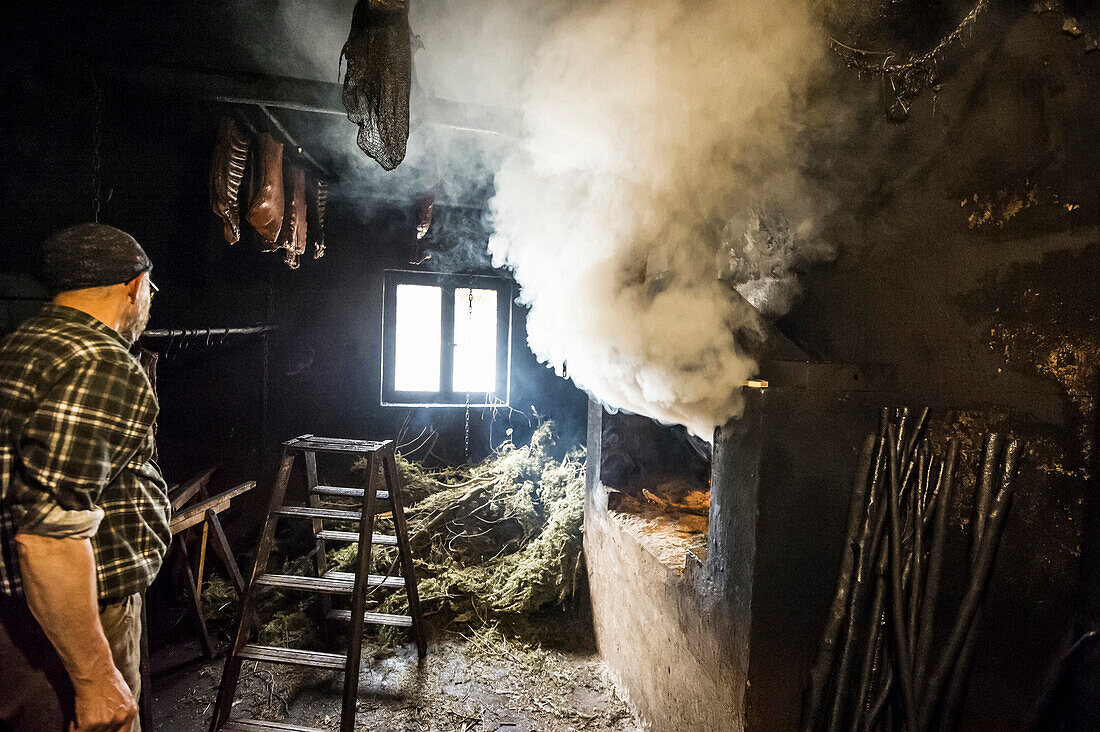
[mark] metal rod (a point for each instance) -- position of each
(322, 170)
(207, 332)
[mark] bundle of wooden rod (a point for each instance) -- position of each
(875, 667)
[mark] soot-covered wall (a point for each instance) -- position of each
(970, 269)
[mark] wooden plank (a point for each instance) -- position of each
(294, 656)
(359, 598)
(374, 579)
(332, 444)
(401, 528)
(318, 97)
(259, 725)
(352, 537)
(337, 583)
(320, 550)
(194, 595)
(401, 621)
(346, 492)
(225, 552)
(200, 573)
(332, 514)
(304, 95)
(194, 514)
(232, 671)
(187, 491)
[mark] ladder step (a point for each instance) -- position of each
(310, 443)
(260, 725)
(347, 492)
(336, 583)
(353, 536)
(294, 656)
(331, 514)
(403, 621)
(336, 586)
(375, 580)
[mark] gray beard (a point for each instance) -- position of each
(134, 324)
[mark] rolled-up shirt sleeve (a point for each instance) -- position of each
(66, 448)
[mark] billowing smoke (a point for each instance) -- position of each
(654, 204)
(658, 176)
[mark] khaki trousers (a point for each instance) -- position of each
(122, 626)
(36, 694)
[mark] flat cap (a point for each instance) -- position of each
(92, 255)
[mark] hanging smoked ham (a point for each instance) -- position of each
(293, 235)
(226, 172)
(266, 211)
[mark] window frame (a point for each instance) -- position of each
(446, 396)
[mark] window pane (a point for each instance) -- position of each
(475, 364)
(416, 362)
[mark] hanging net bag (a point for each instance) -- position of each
(379, 78)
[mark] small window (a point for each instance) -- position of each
(445, 339)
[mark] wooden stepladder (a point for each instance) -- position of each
(328, 583)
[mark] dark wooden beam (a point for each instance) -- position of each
(305, 95)
(282, 92)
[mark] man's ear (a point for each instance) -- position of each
(134, 286)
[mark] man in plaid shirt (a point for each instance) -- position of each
(83, 508)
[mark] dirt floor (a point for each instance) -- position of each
(469, 682)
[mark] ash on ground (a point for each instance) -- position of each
(469, 682)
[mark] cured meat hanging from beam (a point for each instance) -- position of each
(293, 236)
(268, 200)
(226, 172)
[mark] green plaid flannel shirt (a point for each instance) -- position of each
(76, 448)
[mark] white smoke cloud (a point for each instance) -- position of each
(660, 167)
(659, 174)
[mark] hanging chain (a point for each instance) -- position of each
(469, 316)
(97, 144)
(467, 427)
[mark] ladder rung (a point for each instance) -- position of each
(295, 656)
(336, 583)
(260, 725)
(331, 444)
(333, 585)
(375, 580)
(403, 621)
(353, 536)
(347, 492)
(332, 514)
